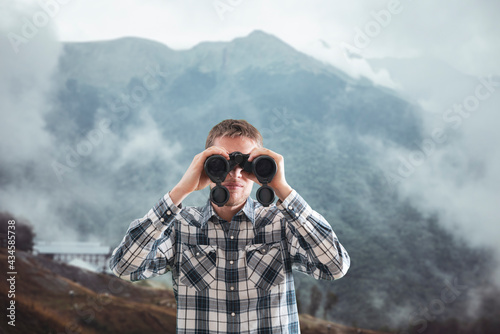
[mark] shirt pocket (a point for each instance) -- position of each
(198, 266)
(265, 265)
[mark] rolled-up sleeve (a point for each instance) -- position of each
(148, 247)
(313, 246)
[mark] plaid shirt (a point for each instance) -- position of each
(232, 277)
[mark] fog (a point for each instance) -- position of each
(25, 84)
(448, 47)
(442, 57)
(453, 171)
(46, 180)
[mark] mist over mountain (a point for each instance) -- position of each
(122, 119)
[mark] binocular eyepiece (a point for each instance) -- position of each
(218, 167)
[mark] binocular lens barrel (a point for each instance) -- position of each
(265, 195)
(265, 167)
(219, 195)
(218, 167)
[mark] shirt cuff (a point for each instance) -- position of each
(165, 211)
(294, 206)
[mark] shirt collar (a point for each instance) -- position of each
(248, 209)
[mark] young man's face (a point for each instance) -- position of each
(239, 186)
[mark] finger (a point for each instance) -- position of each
(263, 151)
(217, 150)
(256, 152)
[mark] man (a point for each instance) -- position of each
(232, 265)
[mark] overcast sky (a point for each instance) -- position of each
(465, 33)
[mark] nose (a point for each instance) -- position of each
(235, 173)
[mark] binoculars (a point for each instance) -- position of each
(218, 167)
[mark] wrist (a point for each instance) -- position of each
(283, 191)
(177, 195)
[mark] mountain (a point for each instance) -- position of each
(127, 116)
(53, 297)
(442, 88)
(220, 79)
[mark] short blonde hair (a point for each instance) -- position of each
(233, 128)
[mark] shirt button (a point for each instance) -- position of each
(169, 212)
(198, 254)
(231, 262)
(233, 314)
(232, 288)
(232, 237)
(290, 207)
(296, 214)
(162, 219)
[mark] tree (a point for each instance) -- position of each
(315, 300)
(23, 232)
(331, 300)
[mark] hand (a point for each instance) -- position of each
(279, 184)
(195, 177)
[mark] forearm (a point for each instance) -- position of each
(178, 194)
(312, 241)
(283, 191)
(148, 243)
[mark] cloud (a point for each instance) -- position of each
(458, 180)
(30, 187)
(25, 79)
(144, 145)
(453, 171)
(25, 82)
(463, 35)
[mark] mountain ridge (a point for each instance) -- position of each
(276, 55)
(332, 133)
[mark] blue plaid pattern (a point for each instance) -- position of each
(232, 277)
